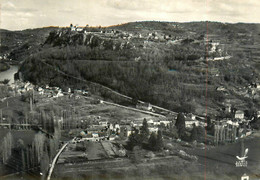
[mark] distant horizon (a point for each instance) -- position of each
(28, 14)
(94, 26)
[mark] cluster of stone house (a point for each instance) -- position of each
(155, 36)
(191, 120)
(103, 130)
(50, 91)
(55, 92)
(230, 129)
(111, 33)
(20, 88)
(216, 47)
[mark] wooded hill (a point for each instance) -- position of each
(163, 63)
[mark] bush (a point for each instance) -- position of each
(80, 147)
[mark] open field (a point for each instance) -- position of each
(86, 109)
(159, 168)
(4, 67)
(219, 164)
(94, 151)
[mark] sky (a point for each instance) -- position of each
(25, 14)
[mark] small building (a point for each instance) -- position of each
(40, 89)
(221, 88)
(82, 133)
(95, 135)
(137, 123)
(257, 85)
(125, 130)
(232, 123)
(245, 177)
(258, 114)
(117, 126)
(144, 106)
(156, 123)
(190, 122)
(103, 123)
(96, 129)
(150, 122)
(73, 28)
(153, 130)
(165, 122)
(239, 114)
(79, 29)
(191, 116)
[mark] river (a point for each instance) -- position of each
(9, 74)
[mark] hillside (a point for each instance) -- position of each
(164, 63)
(18, 45)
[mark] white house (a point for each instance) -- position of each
(221, 88)
(73, 28)
(232, 123)
(95, 135)
(136, 123)
(156, 123)
(117, 126)
(125, 130)
(150, 122)
(258, 114)
(144, 106)
(239, 114)
(153, 129)
(103, 123)
(245, 177)
(79, 29)
(257, 85)
(59, 94)
(165, 122)
(189, 123)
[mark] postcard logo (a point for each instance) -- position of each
(242, 160)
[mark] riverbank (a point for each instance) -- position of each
(4, 66)
(9, 73)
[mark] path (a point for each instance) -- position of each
(55, 159)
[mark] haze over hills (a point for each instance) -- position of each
(164, 63)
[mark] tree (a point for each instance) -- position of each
(201, 133)
(39, 145)
(152, 141)
(7, 146)
(6, 81)
(159, 141)
(144, 131)
(180, 124)
(21, 149)
(44, 164)
(210, 125)
(155, 142)
(194, 133)
(134, 139)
